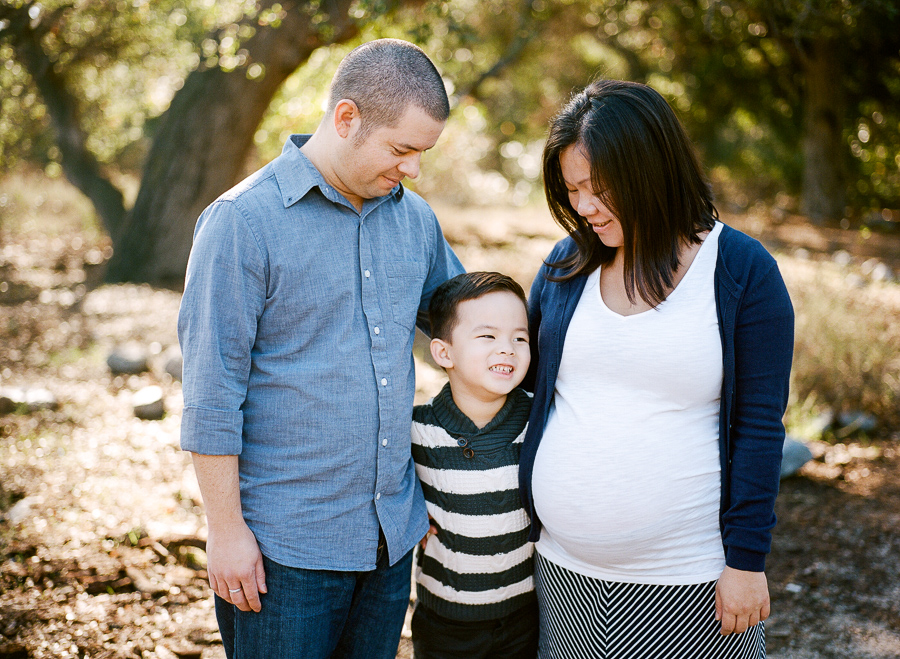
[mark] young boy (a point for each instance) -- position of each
(475, 586)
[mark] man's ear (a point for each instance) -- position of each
(346, 117)
(440, 352)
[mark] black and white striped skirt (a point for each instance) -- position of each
(582, 617)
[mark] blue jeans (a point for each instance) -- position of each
(309, 614)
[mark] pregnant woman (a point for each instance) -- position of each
(663, 343)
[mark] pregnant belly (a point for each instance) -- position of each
(640, 514)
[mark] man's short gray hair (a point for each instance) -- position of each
(384, 77)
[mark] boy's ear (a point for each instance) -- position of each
(440, 352)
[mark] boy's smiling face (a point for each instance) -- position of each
(488, 353)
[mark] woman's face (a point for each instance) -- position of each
(576, 171)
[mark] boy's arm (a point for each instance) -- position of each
(432, 529)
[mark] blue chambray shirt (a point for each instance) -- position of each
(297, 327)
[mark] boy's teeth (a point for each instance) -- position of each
(502, 369)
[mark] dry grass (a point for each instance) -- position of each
(847, 347)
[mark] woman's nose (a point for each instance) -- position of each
(586, 206)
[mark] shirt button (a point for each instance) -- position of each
(383, 382)
(384, 442)
(367, 273)
(377, 496)
(377, 330)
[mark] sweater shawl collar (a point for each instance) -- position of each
(457, 424)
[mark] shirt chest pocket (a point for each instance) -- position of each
(405, 282)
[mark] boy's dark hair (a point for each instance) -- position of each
(467, 286)
(646, 172)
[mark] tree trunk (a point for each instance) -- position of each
(823, 195)
(203, 140)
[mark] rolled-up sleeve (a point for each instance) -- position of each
(224, 297)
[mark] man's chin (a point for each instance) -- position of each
(381, 188)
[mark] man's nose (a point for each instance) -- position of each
(409, 166)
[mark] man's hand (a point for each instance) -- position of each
(234, 562)
(432, 530)
(742, 600)
(235, 566)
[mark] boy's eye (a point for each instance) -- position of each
(522, 339)
(486, 336)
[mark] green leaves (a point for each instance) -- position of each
(121, 61)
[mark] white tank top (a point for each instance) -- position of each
(626, 479)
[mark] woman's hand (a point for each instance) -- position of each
(742, 600)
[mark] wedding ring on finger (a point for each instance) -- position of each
(236, 590)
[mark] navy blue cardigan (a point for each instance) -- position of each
(756, 324)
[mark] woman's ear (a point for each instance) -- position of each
(440, 352)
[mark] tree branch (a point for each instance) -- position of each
(522, 37)
(79, 165)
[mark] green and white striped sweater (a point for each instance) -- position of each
(480, 564)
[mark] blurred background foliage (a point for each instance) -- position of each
(742, 74)
(123, 62)
(780, 96)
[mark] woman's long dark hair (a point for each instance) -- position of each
(642, 159)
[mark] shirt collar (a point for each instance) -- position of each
(456, 423)
(296, 176)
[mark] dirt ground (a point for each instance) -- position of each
(101, 533)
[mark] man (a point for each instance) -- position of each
(303, 290)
